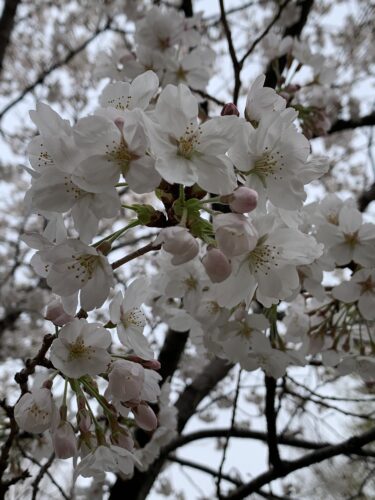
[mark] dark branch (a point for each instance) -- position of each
(294, 30)
(363, 121)
(6, 27)
(22, 377)
(273, 450)
(201, 386)
(250, 434)
(351, 445)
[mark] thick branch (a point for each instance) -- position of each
(6, 27)
(351, 445)
(232, 52)
(250, 434)
(294, 30)
(363, 121)
(170, 354)
(201, 386)
(273, 450)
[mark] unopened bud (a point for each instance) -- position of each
(64, 441)
(230, 109)
(217, 265)
(243, 200)
(55, 313)
(179, 242)
(151, 364)
(145, 417)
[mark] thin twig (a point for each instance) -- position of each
(233, 419)
(137, 253)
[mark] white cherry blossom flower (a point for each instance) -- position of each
(273, 361)
(36, 412)
(360, 289)
(363, 365)
(194, 69)
(188, 153)
(81, 348)
(75, 267)
(109, 458)
(350, 239)
(272, 157)
(270, 268)
(161, 29)
(238, 337)
(126, 313)
(125, 382)
(113, 148)
(127, 96)
(261, 100)
(56, 143)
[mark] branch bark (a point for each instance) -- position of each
(294, 30)
(351, 445)
(6, 27)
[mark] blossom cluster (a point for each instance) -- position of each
(237, 249)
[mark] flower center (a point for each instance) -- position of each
(78, 349)
(191, 283)
(186, 143)
(72, 189)
(351, 238)
(367, 286)
(84, 266)
(181, 74)
(263, 258)
(134, 317)
(245, 331)
(37, 413)
(270, 164)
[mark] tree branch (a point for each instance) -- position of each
(22, 377)
(273, 450)
(295, 30)
(6, 27)
(250, 434)
(41, 78)
(232, 52)
(351, 445)
(363, 121)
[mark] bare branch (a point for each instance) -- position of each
(250, 434)
(41, 78)
(351, 445)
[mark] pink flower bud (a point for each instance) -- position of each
(64, 440)
(235, 234)
(179, 242)
(243, 200)
(84, 420)
(125, 381)
(145, 417)
(151, 364)
(55, 313)
(217, 265)
(122, 438)
(230, 109)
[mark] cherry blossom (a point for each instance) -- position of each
(81, 349)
